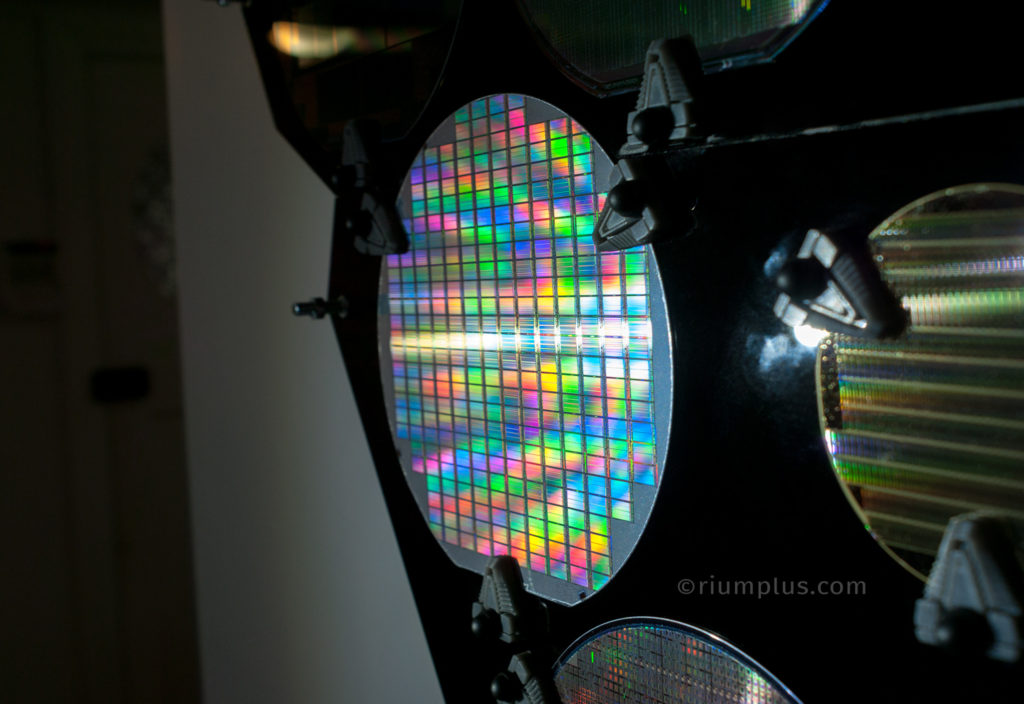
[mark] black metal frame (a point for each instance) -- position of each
(847, 126)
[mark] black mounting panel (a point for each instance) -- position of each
(864, 113)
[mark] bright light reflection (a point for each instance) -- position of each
(311, 41)
(808, 336)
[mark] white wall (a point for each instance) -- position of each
(301, 593)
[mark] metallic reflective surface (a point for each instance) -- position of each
(523, 364)
(657, 661)
(604, 46)
(931, 425)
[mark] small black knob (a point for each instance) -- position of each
(628, 199)
(318, 308)
(487, 625)
(506, 687)
(309, 308)
(654, 125)
(803, 279)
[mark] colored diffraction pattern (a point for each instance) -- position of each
(931, 424)
(662, 664)
(521, 356)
